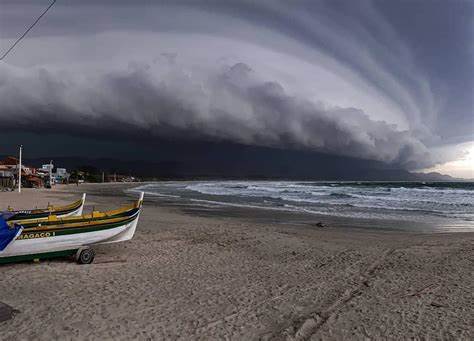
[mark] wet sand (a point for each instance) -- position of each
(187, 275)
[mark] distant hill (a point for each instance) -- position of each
(435, 176)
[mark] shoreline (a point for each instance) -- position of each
(211, 207)
(190, 276)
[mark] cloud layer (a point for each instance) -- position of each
(230, 103)
(327, 76)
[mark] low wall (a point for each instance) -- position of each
(6, 182)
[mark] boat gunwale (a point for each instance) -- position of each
(89, 216)
(50, 210)
(78, 226)
(82, 221)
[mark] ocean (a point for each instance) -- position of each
(445, 205)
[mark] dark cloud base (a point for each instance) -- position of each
(232, 105)
(193, 159)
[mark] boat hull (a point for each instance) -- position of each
(33, 245)
(74, 213)
(75, 210)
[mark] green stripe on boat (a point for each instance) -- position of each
(46, 255)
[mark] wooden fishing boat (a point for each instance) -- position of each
(57, 237)
(74, 209)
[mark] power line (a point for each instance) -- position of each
(28, 30)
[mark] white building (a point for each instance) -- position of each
(47, 168)
(61, 175)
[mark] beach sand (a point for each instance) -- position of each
(187, 276)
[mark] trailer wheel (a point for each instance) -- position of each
(85, 256)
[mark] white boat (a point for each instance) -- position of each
(56, 237)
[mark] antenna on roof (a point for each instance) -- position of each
(27, 30)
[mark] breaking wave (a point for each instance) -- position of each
(422, 202)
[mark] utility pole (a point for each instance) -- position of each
(19, 169)
(51, 173)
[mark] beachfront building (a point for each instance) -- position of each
(46, 172)
(61, 176)
(30, 176)
(47, 167)
(7, 178)
(8, 173)
(120, 178)
(32, 181)
(10, 163)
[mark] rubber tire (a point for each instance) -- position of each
(86, 256)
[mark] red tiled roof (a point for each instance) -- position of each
(9, 161)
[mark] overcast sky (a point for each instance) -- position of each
(391, 81)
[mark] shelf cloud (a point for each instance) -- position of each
(330, 77)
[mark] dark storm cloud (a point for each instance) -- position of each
(232, 105)
(344, 77)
